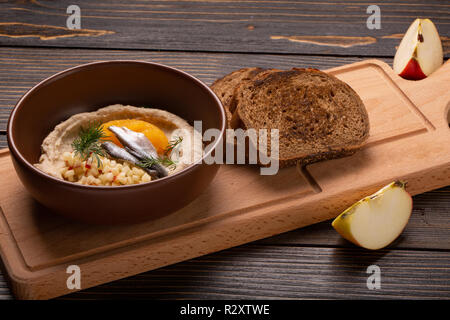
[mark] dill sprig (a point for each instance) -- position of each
(88, 143)
(164, 160)
(172, 144)
(149, 162)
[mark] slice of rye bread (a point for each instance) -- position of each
(226, 86)
(319, 117)
(236, 122)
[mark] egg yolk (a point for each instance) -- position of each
(152, 132)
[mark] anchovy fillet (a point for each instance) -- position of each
(139, 146)
(121, 154)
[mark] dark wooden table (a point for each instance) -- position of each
(209, 39)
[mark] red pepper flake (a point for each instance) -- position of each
(70, 168)
(100, 171)
(87, 166)
(114, 179)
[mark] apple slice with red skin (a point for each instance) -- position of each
(420, 51)
(412, 71)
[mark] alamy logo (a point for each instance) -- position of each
(374, 20)
(374, 280)
(262, 147)
(74, 20)
(74, 280)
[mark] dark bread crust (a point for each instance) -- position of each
(319, 117)
(226, 86)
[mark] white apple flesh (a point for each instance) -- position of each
(420, 51)
(376, 221)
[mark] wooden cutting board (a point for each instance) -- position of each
(409, 140)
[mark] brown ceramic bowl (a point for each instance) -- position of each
(91, 86)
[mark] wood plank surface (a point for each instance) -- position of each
(280, 272)
(5, 293)
(428, 228)
(22, 68)
(258, 271)
(314, 27)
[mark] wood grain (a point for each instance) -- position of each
(3, 143)
(22, 68)
(257, 271)
(5, 293)
(45, 32)
(324, 27)
(428, 228)
(274, 272)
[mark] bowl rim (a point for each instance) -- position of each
(13, 148)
